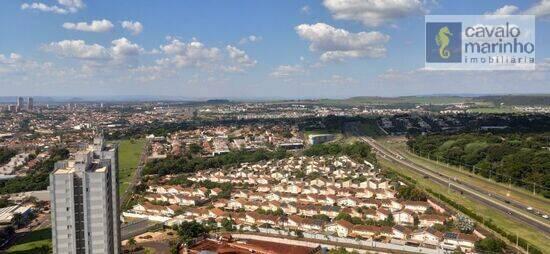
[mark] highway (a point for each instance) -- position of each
(515, 211)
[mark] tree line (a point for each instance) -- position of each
(522, 159)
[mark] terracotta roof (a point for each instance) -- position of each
(344, 223)
(150, 206)
(402, 229)
(432, 217)
(217, 211)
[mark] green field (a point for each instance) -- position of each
(532, 235)
(32, 242)
(129, 153)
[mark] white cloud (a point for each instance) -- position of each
(16, 64)
(97, 26)
(43, 7)
(339, 44)
(239, 60)
(120, 50)
(504, 10)
(193, 54)
(66, 6)
(196, 54)
(305, 9)
(72, 5)
(287, 71)
(373, 13)
(540, 9)
(338, 80)
(124, 48)
(12, 58)
(250, 39)
(77, 49)
(134, 27)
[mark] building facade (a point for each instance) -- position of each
(84, 200)
(30, 103)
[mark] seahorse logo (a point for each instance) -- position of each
(442, 40)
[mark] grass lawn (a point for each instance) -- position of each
(129, 153)
(515, 193)
(530, 234)
(32, 240)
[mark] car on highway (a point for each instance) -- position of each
(545, 216)
(529, 208)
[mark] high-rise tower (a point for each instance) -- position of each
(84, 200)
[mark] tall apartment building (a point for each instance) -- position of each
(84, 200)
(19, 106)
(30, 103)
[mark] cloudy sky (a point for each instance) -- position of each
(244, 48)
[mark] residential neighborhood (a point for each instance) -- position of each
(312, 195)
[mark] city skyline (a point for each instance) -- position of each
(212, 49)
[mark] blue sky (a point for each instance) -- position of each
(244, 48)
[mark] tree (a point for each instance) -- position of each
(132, 242)
(227, 224)
(322, 217)
(343, 216)
(195, 148)
(18, 220)
(490, 245)
(190, 230)
(389, 221)
(411, 193)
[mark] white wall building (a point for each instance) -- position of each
(84, 200)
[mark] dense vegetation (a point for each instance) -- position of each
(333, 124)
(39, 178)
(188, 231)
(357, 151)
(490, 245)
(6, 154)
(523, 159)
(189, 164)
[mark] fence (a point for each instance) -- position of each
(334, 241)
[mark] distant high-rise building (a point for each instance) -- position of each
(19, 105)
(30, 103)
(84, 200)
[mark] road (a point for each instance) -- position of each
(138, 227)
(515, 211)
